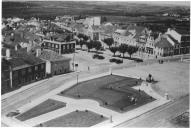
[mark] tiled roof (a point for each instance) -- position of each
(108, 29)
(163, 43)
(183, 31)
(174, 40)
(20, 59)
(123, 32)
(138, 29)
(51, 55)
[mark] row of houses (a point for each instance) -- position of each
(20, 68)
(29, 55)
(173, 42)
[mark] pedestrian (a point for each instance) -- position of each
(88, 68)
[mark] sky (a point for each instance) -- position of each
(161, 2)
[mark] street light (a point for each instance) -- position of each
(78, 94)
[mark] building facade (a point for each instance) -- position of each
(182, 38)
(59, 47)
(55, 64)
(21, 69)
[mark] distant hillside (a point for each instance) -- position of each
(54, 8)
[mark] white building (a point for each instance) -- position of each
(122, 36)
(91, 21)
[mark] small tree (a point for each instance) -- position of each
(131, 50)
(85, 38)
(81, 43)
(123, 48)
(109, 41)
(89, 45)
(113, 50)
(97, 45)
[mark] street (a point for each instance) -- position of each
(160, 117)
(19, 99)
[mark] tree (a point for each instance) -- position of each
(89, 45)
(68, 38)
(113, 50)
(97, 45)
(123, 48)
(109, 41)
(81, 43)
(131, 50)
(85, 38)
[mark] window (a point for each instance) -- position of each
(42, 66)
(56, 45)
(36, 68)
(29, 70)
(23, 72)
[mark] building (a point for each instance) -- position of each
(60, 47)
(133, 35)
(107, 30)
(21, 69)
(60, 43)
(122, 36)
(163, 47)
(182, 37)
(91, 21)
(55, 63)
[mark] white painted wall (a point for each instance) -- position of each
(48, 67)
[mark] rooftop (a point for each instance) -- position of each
(183, 31)
(163, 43)
(20, 59)
(51, 55)
(138, 29)
(123, 32)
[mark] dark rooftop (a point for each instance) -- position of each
(51, 55)
(163, 43)
(20, 58)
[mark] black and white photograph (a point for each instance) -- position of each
(98, 64)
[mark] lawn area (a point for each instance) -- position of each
(75, 119)
(112, 91)
(45, 107)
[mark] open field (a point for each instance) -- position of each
(75, 119)
(50, 8)
(113, 92)
(45, 107)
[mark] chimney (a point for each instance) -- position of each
(8, 54)
(38, 52)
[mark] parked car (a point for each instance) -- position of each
(117, 61)
(98, 57)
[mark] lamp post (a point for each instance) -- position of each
(73, 59)
(78, 94)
